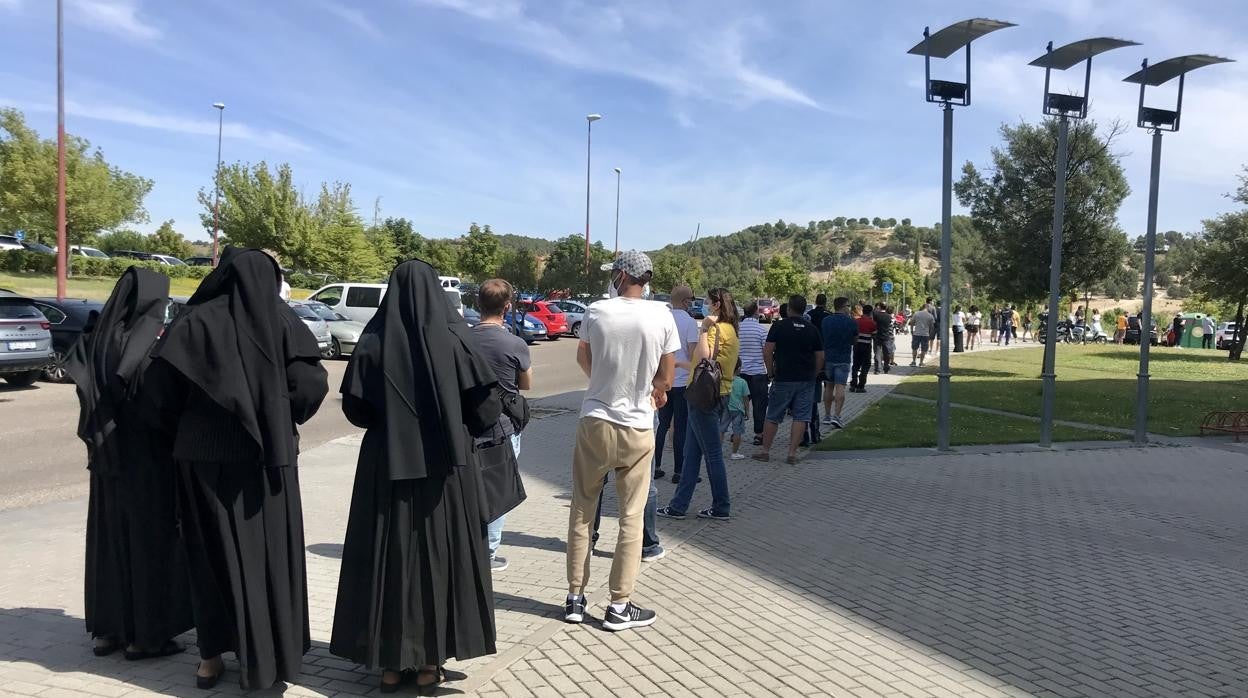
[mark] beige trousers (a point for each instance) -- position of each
(606, 447)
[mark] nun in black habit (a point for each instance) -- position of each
(136, 592)
(236, 372)
(415, 585)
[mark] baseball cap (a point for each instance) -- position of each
(634, 263)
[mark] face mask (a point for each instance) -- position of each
(645, 293)
(612, 289)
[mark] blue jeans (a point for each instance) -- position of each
(673, 415)
(495, 528)
(703, 439)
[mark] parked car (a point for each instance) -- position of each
(345, 331)
(69, 319)
(133, 254)
(168, 260)
(697, 308)
(10, 242)
(199, 261)
(472, 318)
(357, 302)
(31, 246)
(1133, 333)
(768, 309)
(84, 251)
(25, 341)
(525, 326)
(574, 315)
(318, 327)
(1225, 333)
(549, 315)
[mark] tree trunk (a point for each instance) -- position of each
(1237, 339)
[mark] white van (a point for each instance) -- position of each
(359, 302)
(449, 282)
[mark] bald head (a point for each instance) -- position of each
(681, 295)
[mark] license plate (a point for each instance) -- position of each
(21, 346)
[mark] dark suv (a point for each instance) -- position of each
(25, 341)
(69, 319)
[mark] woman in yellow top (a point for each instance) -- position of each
(717, 339)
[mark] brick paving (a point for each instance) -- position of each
(1109, 572)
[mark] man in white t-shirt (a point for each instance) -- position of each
(675, 414)
(628, 351)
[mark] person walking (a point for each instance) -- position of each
(508, 356)
(862, 350)
(924, 323)
(794, 354)
(753, 336)
(885, 345)
(415, 588)
(994, 319)
(937, 328)
(230, 381)
(959, 328)
(1005, 326)
(973, 320)
(839, 334)
(136, 591)
(1026, 326)
(1015, 322)
(628, 351)
(718, 342)
(1120, 331)
(674, 416)
(738, 411)
(1176, 331)
(816, 318)
(1208, 328)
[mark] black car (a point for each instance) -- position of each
(68, 318)
(39, 247)
(199, 261)
(132, 254)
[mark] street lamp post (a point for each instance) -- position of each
(62, 242)
(216, 181)
(943, 44)
(589, 133)
(1157, 121)
(617, 211)
(1065, 107)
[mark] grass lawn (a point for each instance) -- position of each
(1096, 385)
(42, 285)
(899, 423)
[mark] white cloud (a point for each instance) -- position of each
(354, 17)
(119, 17)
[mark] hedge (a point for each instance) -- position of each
(22, 261)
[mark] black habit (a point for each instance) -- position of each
(237, 371)
(415, 585)
(136, 587)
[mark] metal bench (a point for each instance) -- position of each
(1226, 422)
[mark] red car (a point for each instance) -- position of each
(551, 316)
(768, 309)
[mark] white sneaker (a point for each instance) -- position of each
(737, 456)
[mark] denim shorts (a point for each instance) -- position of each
(795, 398)
(838, 373)
(732, 423)
(918, 343)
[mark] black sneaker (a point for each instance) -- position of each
(633, 616)
(758, 441)
(669, 513)
(658, 474)
(574, 611)
(710, 514)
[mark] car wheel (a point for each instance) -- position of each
(576, 329)
(55, 371)
(23, 380)
(337, 349)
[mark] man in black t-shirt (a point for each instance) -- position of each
(884, 346)
(794, 356)
(817, 317)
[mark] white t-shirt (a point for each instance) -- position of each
(687, 331)
(627, 337)
(284, 291)
(959, 319)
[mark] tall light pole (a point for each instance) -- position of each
(1065, 107)
(617, 211)
(589, 133)
(62, 242)
(216, 181)
(943, 44)
(1157, 121)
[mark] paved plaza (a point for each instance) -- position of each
(1102, 572)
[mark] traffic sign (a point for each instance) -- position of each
(887, 287)
(19, 234)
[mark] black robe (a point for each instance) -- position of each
(136, 586)
(232, 377)
(415, 584)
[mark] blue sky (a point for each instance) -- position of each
(724, 112)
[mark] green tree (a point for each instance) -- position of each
(479, 254)
(838, 222)
(877, 222)
(166, 240)
(260, 208)
(442, 255)
(340, 245)
(98, 196)
(520, 268)
(1222, 262)
(897, 271)
(1012, 208)
(782, 277)
(673, 268)
(565, 267)
(850, 283)
(382, 242)
(123, 239)
(408, 243)
(863, 221)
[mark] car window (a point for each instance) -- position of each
(329, 296)
(91, 252)
(322, 311)
(11, 309)
(53, 314)
(304, 312)
(363, 297)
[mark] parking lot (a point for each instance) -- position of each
(44, 461)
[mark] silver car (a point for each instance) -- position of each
(318, 327)
(25, 341)
(345, 332)
(575, 313)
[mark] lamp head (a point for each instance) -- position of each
(593, 117)
(618, 170)
(1159, 74)
(945, 43)
(218, 105)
